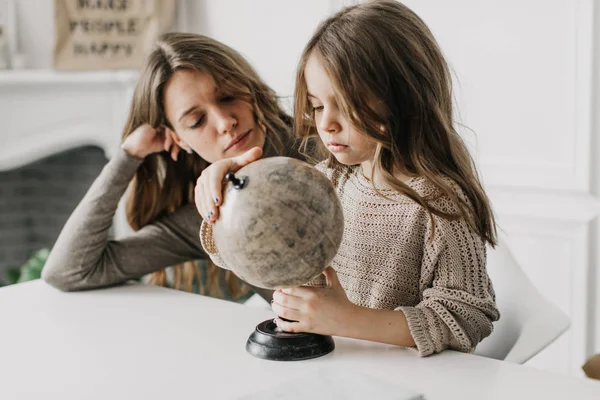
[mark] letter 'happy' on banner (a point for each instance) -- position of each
(108, 34)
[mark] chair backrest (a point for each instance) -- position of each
(528, 322)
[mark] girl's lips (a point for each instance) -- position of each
(336, 147)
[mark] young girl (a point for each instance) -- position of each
(373, 85)
(194, 94)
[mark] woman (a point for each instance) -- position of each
(194, 94)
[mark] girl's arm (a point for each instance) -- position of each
(457, 307)
(456, 311)
(326, 309)
(383, 326)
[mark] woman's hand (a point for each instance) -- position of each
(326, 311)
(209, 186)
(146, 140)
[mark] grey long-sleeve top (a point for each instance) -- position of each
(84, 258)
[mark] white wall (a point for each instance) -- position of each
(270, 33)
(524, 82)
(525, 85)
(35, 31)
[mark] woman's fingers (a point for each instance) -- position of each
(209, 204)
(170, 145)
(175, 149)
(209, 187)
(215, 181)
(198, 197)
(202, 198)
(168, 139)
(242, 160)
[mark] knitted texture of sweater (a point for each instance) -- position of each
(388, 260)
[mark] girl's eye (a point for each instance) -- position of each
(227, 99)
(198, 123)
(318, 108)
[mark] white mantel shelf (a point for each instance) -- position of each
(28, 77)
(46, 112)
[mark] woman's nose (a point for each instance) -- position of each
(225, 121)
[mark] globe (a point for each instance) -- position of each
(280, 223)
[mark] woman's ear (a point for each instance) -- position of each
(178, 141)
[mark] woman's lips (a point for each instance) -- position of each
(240, 141)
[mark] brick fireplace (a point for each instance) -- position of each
(59, 130)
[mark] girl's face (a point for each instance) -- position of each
(214, 124)
(349, 146)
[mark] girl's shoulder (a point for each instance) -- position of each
(436, 196)
(350, 179)
(336, 173)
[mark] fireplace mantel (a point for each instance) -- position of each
(47, 112)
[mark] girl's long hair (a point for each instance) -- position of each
(162, 185)
(393, 84)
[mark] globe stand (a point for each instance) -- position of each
(270, 343)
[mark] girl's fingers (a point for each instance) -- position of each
(287, 313)
(331, 277)
(287, 300)
(287, 326)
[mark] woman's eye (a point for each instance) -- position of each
(198, 123)
(317, 108)
(227, 99)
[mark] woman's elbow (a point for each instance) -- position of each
(57, 280)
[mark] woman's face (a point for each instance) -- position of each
(214, 124)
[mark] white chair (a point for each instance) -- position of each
(528, 322)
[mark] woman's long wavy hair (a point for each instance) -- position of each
(162, 185)
(393, 84)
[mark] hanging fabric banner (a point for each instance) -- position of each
(108, 34)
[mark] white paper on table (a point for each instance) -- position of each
(326, 384)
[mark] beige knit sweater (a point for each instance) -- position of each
(387, 261)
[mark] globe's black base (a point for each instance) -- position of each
(270, 343)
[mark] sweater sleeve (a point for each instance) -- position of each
(83, 257)
(457, 304)
(208, 245)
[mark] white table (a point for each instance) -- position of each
(143, 342)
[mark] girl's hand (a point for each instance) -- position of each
(146, 140)
(209, 186)
(326, 311)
